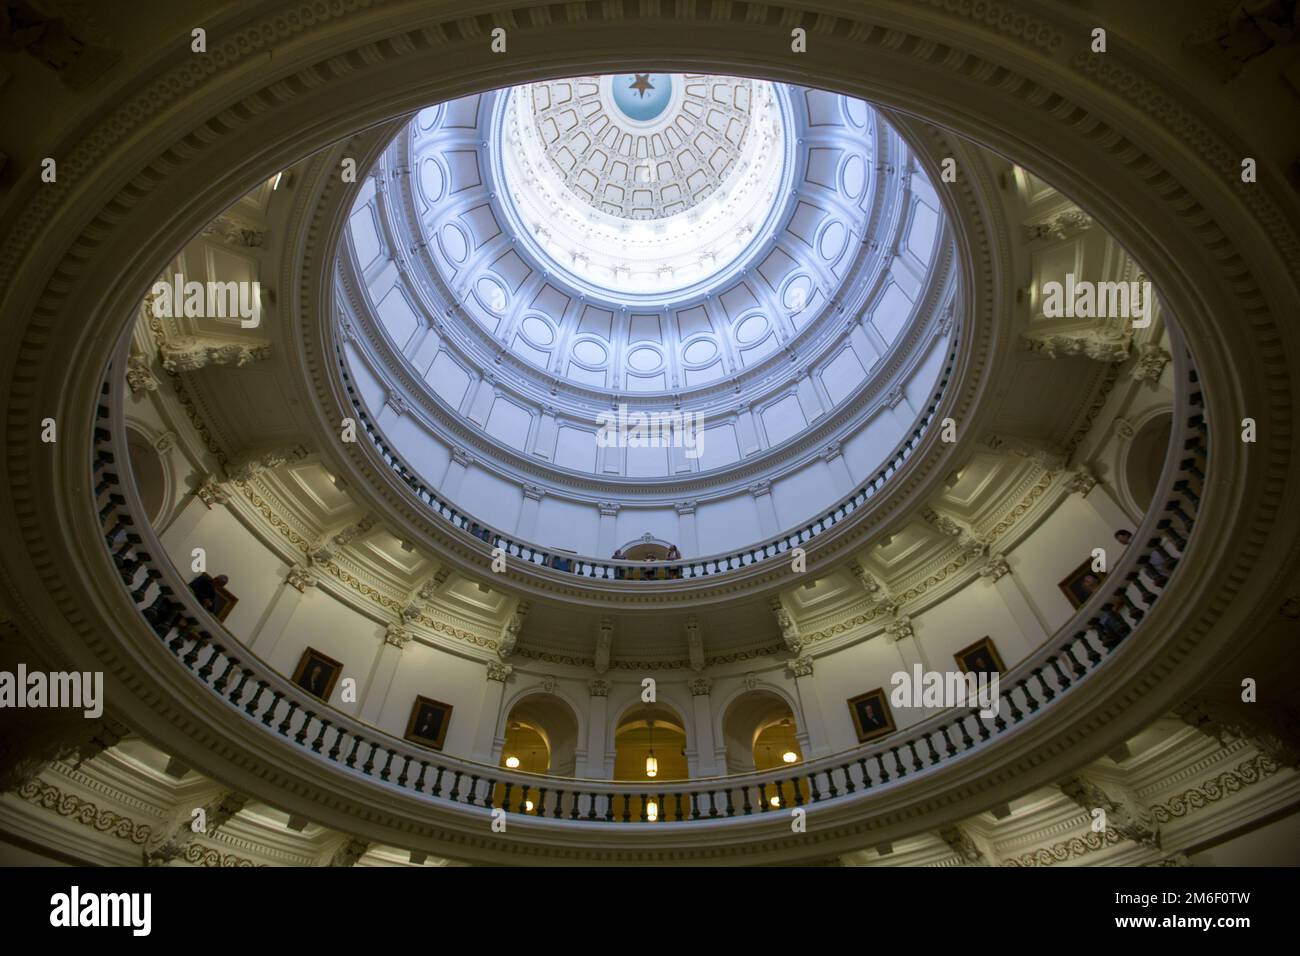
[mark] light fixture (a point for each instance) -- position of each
(775, 801)
(512, 762)
(651, 811)
(528, 806)
(275, 183)
(789, 756)
(651, 762)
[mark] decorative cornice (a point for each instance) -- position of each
(50, 797)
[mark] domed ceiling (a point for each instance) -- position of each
(770, 259)
(674, 175)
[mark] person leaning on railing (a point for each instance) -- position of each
(1155, 560)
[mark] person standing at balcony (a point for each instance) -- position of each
(1155, 561)
(207, 589)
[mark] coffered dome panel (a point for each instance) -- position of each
(799, 296)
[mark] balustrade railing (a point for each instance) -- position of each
(616, 570)
(258, 694)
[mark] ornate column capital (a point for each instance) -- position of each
(397, 635)
(499, 672)
(598, 687)
(461, 457)
(685, 508)
(534, 492)
(1151, 362)
(212, 492)
(1081, 481)
(830, 452)
(802, 666)
(761, 487)
(608, 509)
(139, 374)
(301, 578)
(900, 629)
(995, 567)
(701, 686)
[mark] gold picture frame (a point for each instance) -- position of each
(972, 659)
(872, 717)
(1075, 586)
(317, 673)
(428, 723)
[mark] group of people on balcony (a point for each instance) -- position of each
(1112, 625)
(657, 571)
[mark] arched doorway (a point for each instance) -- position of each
(540, 736)
(650, 749)
(1145, 457)
(760, 733)
(150, 474)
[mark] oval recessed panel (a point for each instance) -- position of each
(537, 331)
(797, 293)
(856, 111)
(700, 352)
(854, 176)
(590, 353)
(491, 294)
(644, 359)
(427, 118)
(832, 241)
(432, 181)
(751, 330)
(454, 245)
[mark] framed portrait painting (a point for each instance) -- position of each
(980, 658)
(871, 715)
(317, 673)
(1081, 583)
(428, 722)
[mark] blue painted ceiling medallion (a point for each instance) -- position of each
(642, 96)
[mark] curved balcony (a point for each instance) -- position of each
(255, 693)
(641, 572)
